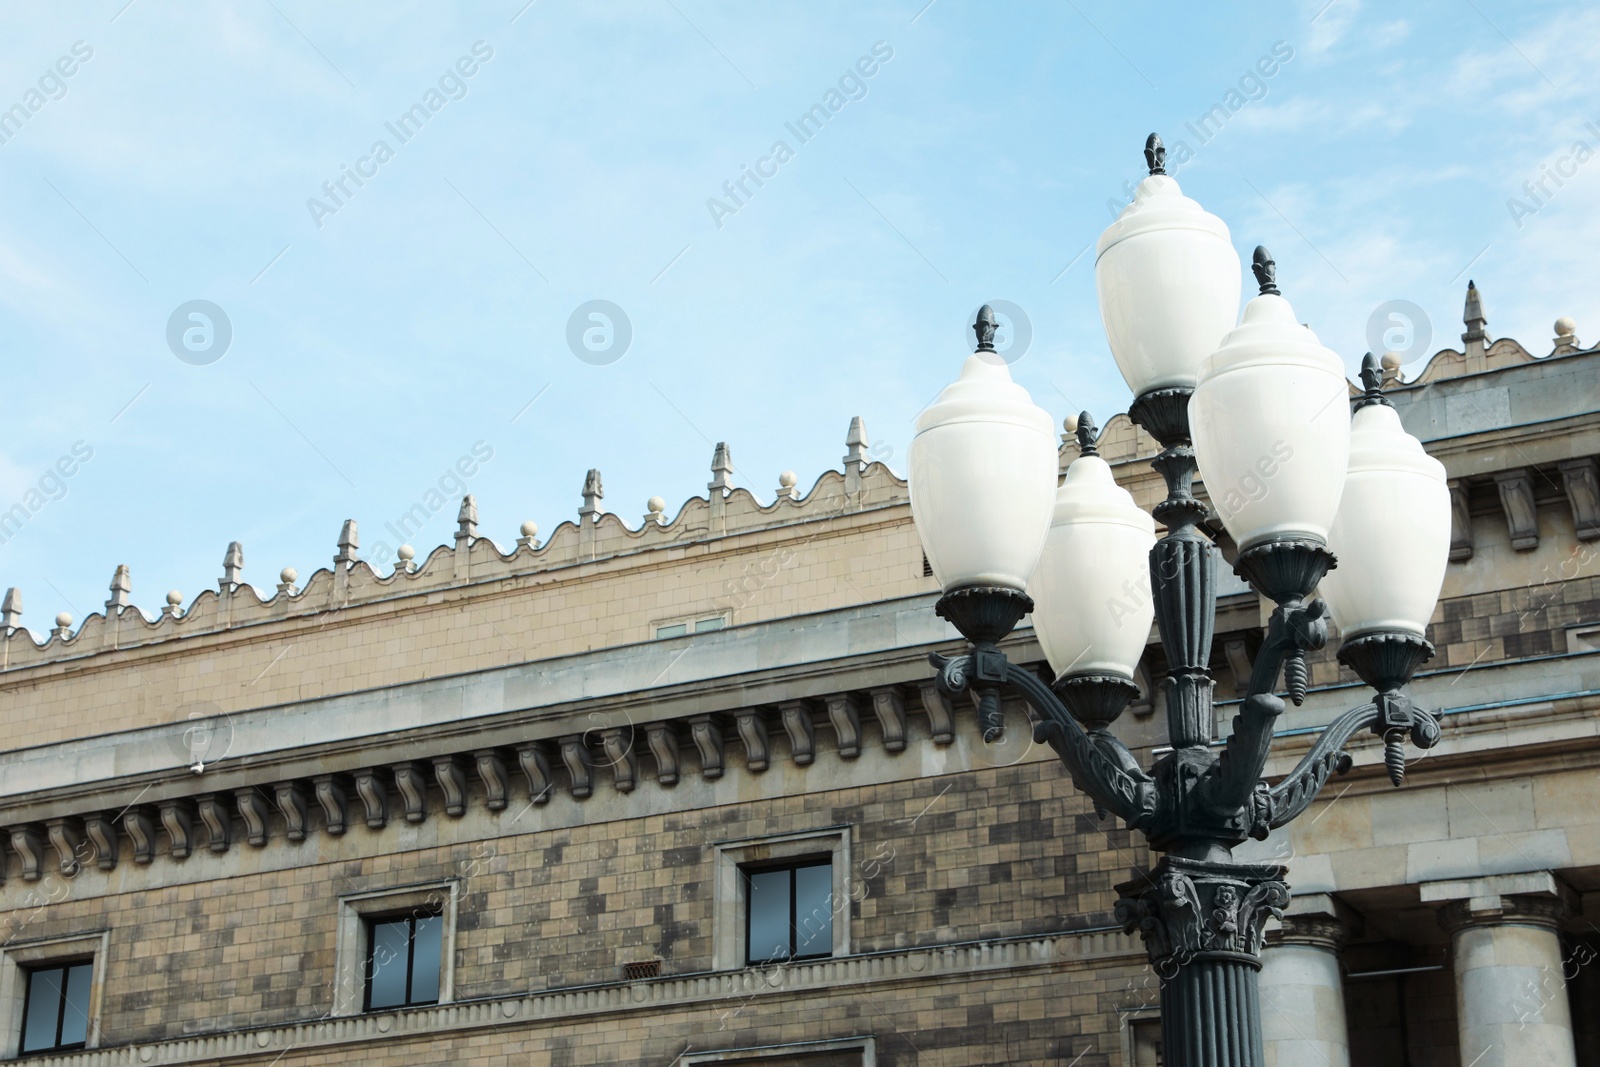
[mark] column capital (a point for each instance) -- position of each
(1545, 911)
(1316, 919)
(1534, 898)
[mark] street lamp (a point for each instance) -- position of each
(1293, 481)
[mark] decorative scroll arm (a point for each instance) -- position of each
(1391, 716)
(1100, 765)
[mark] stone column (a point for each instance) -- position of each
(1511, 989)
(1302, 987)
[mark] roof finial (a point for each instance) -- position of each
(232, 567)
(1266, 271)
(121, 586)
(1372, 381)
(721, 469)
(11, 609)
(593, 493)
(467, 519)
(985, 328)
(1155, 154)
(1087, 431)
(855, 444)
(349, 543)
(1473, 316)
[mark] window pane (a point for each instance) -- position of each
(769, 915)
(710, 624)
(44, 1002)
(677, 629)
(387, 983)
(425, 960)
(813, 910)
(75, 1015)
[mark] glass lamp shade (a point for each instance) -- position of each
(1168, 279)
(983, 477)
(1271, 433)
(1091, 591)
(1392, 532)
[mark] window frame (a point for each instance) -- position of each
(792, 867)
(18, 959)
(66, 967)
(730, 903)
(353, 953)
(410, 919)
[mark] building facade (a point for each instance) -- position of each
(683, 792)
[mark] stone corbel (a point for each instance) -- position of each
(102, 833)
(142, 832)
(1460, 522)
(66, 837)
(535, 764)
(753, 732)
(413, 790)
(802, 735)
(576, 756)
(663, 740)
(617, 741)
(330, 793)
(891, 711)
(941, 713)
(1144, 704)
(706, 730)
(1238, 656)
(28, 844)
(374, 794)
(177, 817)
(492, 773)
(1516, 500)
(453, 783)
(253, 810)
(219, 824)
(292, 803)
(1583, 493)
(846, 720)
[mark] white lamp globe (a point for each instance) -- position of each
(1269, 423)
(983, 475)
(1168, 280)
(1091, 591)
(1392, 533)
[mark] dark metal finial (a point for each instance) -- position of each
(1372, 381)
(1087, 431)
(1266, 271)
(985, 328)
(1155, 154)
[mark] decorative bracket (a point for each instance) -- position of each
(492, 773)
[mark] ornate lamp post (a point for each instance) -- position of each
(1259, 411)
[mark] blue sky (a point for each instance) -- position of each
(381, 337)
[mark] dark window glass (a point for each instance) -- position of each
(57, 1011)
(403, 962)
(789, 911)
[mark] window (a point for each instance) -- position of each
(403, 961)
(789, 911)
(785, 897)
(396, 948)
(837, 1052)
(50, 993)
(55, 1013)
(698, 626)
